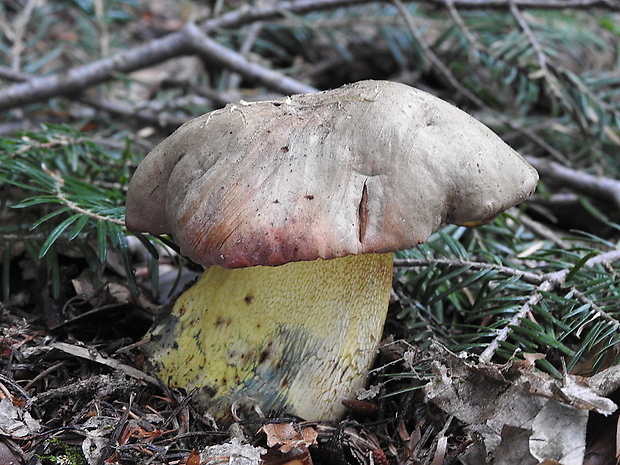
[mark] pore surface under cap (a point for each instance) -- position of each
(370, 167)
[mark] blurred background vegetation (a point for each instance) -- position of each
(543, 278)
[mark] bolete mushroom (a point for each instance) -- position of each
(294, 207)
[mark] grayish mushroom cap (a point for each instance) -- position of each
(370, 167)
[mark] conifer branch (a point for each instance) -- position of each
(551, 282)
(58, 183)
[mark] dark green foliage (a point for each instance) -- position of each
(64, 187)
(465, 302)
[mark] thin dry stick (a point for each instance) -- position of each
(544, 232)
(234, 80)
(433, 58)
(546, 68)
(102, 25)
(18, 33)
(187, 41)
(527, 276)
(596, 186)
(460, 23)
(527, 30)
(551, 282)
(545, 71)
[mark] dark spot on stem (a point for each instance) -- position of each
(264, 355)
(222, 322)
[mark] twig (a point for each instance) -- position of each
(211, 50)
(17, 33)
(246, 47)
(551, 281)
(102, 25)
(73, 81)
(433, 58)
(543, 231)
(460, 23)
(525, 27)
(251, 14)
(43, 374)
(94, 356)
(545, 283)
(527, 276)
(116, 108)
(182, 404)
(22, 392)
(584, 183)
(187, 41)
(112, 441)
(58, 183)
(545, 70)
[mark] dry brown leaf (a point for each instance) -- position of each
(286, 436)
(193, 458)
(553, 415)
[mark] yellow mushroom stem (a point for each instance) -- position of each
(298, 337)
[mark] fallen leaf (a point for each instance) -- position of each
(286, 436)
(232, 453)
(15, 421)
(194, 458)
(551, 415)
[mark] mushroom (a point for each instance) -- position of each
(294, 207)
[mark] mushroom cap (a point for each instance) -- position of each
(370, 167)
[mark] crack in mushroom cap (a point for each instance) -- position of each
(374, 166)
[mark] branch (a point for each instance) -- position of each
(551, 282)
(545, 283)
(252, 14)
(528, 277)
(117, 108)
(596, 186)
(187, 41)
(525, 27)
(73, 81)
(210, 50)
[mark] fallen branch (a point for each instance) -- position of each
(551, 282)
(545, 283)
(596, 186)
(92, 355)
(210, 50)
(252, 14)
(187, 41)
